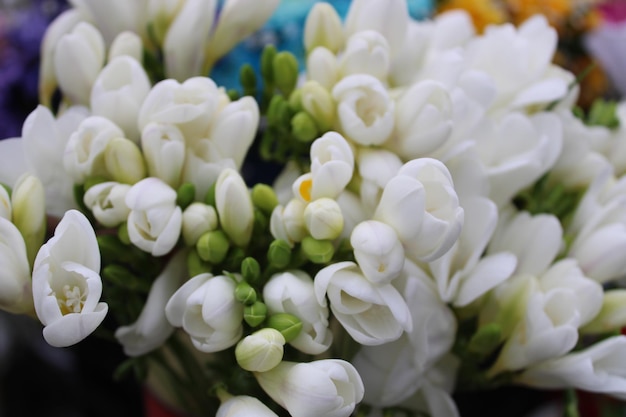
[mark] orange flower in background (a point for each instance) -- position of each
(483, 12)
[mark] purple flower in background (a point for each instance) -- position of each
(22, 25)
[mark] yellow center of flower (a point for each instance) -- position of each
(305, 189)
(72, 299)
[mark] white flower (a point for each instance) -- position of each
(16, 295)
(66, 284)
(85, 149)
(5, 204)
(323, 28)
(186, 38)
(154, 221)
(203, 165)
(329, 387)
(366, 52)
(323, 219)
(244, 406)
(151, 329)
(376, 168)
(599, 368)
(118, 93)
(107, 202)
(378, 251)
(371, 314)
(163, 147)
(40, 151)
(198, 218)
(293, 292)
(601, 252)
(287, 223)
(322, 66)
(205, 307)
(29, 215)
(332, 166)
(84, 48)
(261, 350)
(126, 43)
(364, 109)
(234, 207)
(113, 16)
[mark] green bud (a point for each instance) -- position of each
(261, 222)
(264, 197)
(245, 294)
(209, 198)
(233, 94)
(120, 276)
(250, 269)
(304, 127)
(295, 100)
(267, 62)
(486, 339)
(247, 78)
(213, 246)
(255, 314)
(318, 251)
(277, 110)
(185, 195)
(235, 257)
(285, 66)
(195, 264)
(260, 351)
(287, 324)
(279, 253)
(122, 233)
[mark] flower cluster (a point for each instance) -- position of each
(443, 219)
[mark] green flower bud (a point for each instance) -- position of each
(245, 294)
(250, 269)
(209, 198)
(278, 112)
(122, 233)
(247, 79)
(295, 100)
(486, 339)
(285, 67)
(120, 276)
(196, 266)
(185, 195)
(287, 324)
(264, 197)
(255, 314)
(260, 351)
(213, 246)
(124, 161)
(318, 251)
(267, 63)
(279, 253)
(304, 127)
(318, 102)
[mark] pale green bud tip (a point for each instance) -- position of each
(295, 100)
(245, 294)
(486, 339)
(255, 314)
(264, 197)
(250, 269)
(304, 127)
(213, 246)
(196, 266)
(279, 253)
(209, 198)
(122, 233)
(285, 66)
(287, 324)
(267, 61)
(124, 161)
(261, 351)
(317, 251)
(185, 195)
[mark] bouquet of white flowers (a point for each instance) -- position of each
(444, 218)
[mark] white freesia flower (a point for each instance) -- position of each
(318, 102)
(151, 329)
(84, 48)
(421, 205)
(16, 295)
(371, 314)
(107, 202)
(328, 387)
(118, 93)
(598, 368)
(365, 111)
(113, 17)
(376, 168)
(40, 151)
(244, 406)
(186, 38)
(287, 223)
(323, 219)
(323, 28)
(126, 43)
(85, 149)
(29, 212)
(154, 221)
(198, 218)
(601, 252)
(378, 251)
(352, 210)
(332, 165)
(322, 66)
(261, 350)
(293, 292)
(66, 283)
(5, 204)
(203, 165)
(234, 207)
(423, 120)
(205, 307)
(366, 52)
(612, 315)
(163, 147)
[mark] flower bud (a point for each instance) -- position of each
(323, 218)
(612, 315)
(486, 340)
(279, 253)
(197, 266)
(163, 147)
(213, 246)
(124, 161)
(378, 251)
(319, 103)
(5, 203)
(260, 351)
(29, 213)
(247, 79)
(264, 197)
(323, 28)
(185, 195)
(234, 207)
(126, 43)
(245, 294)
(107, 202)
(250, 269)
(287, 324)
(16, 294)
(255, 314)
(303, 127)
(198, 219)
(318, 251)
(285, 67)
(322, 66)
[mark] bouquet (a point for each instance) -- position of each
(419, 210)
